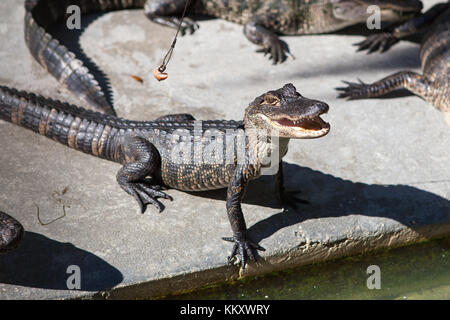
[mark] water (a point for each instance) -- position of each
(420, 271)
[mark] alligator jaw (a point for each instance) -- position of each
(307, 127)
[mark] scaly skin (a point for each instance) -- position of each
(11, 232)
(262, 21)
(433, 84)
(153, 154)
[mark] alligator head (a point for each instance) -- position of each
(287, 114)
(355, 11)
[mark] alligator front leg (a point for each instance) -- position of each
(414, 82)
(140, 159)
(416, 26)
(168, 13)
(268, 40)
(242, 243)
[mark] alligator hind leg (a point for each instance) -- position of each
(140, 159)
(168, 13)
(411, 81)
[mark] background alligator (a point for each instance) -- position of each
(433, 84)
(262, 21)
(11, 232)
(154, 154)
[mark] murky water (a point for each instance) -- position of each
(420, 271)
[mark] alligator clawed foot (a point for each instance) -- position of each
(188, 25)
(154, 184)
(378, 42)
(353, 90)
(244, 247)
(277, 49)
(145, 194)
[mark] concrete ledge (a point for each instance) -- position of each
(379, 179)
(298, 256)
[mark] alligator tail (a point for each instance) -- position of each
(55, 57)
(84, 130)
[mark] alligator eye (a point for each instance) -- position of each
(338, 10)
(271, 99)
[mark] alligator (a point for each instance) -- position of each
(164, 153)
(11, 232)
(262, 21)
(433, 84)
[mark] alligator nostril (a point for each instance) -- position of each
(321, 106)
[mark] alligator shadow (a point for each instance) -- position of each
(71, 40)
(397, 58)
(401, 58)
(41, 262)
(330, 196)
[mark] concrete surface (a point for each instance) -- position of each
(380, 178)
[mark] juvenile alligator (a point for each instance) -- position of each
(11, 232)
(178, 152)
(433, 84)
(262, 21)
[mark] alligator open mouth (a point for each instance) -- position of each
(313, 127)
(305, 124)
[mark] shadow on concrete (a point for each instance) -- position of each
(71, 39)
(40, 262)
(400, 58)
(330, 196)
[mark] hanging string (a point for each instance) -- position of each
(159, 73)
